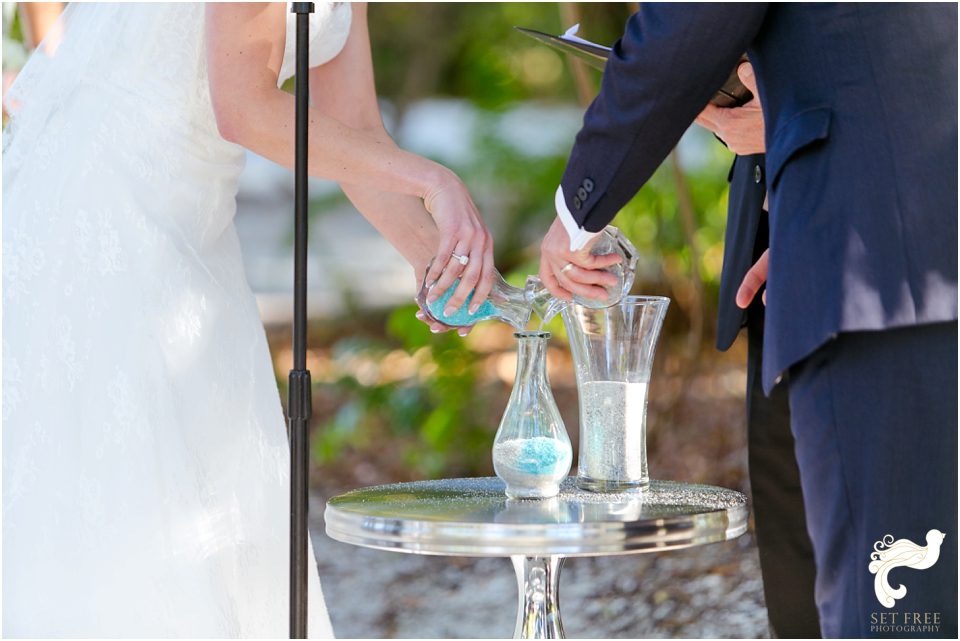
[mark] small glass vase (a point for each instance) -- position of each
(532, 452)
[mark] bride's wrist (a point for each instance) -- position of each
(438, 179)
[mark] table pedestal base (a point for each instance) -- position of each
(538, 584)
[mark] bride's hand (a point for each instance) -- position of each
(435, 326)
(463, 235)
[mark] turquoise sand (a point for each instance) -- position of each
(462, 317)
(542, 455)
(537, 456)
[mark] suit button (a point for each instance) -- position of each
(582, 193)
(588, 185)
(757, 174)
(576, 202)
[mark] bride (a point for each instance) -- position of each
(145, 458)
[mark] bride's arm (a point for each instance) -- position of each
(245, 45)
(344, 89)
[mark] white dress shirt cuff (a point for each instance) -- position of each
(578, 235)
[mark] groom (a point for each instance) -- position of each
(860, 110)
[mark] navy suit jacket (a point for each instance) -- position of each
(745, 240)
(860, 106)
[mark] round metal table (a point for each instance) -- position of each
(473, 517)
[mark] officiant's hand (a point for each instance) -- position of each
(466, 246)
(566, 272)
(740, 128)
(753, 280)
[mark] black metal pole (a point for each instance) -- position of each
(298, 399)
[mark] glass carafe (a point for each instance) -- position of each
(613, 351)
(531, 451)
(505, 303)
(514, 305)
(609, 241)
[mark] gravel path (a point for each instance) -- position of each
(712, 591)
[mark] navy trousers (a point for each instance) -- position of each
(874, 416)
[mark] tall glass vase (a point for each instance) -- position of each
(613, 351)
(531, 451)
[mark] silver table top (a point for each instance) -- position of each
(473, 517)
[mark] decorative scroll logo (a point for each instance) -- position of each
(888, 554)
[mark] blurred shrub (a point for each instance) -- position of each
(422, 395)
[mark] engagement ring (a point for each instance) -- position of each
(463, 260)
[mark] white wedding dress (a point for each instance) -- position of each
(145, 456)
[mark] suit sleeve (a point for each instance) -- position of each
(670, 61)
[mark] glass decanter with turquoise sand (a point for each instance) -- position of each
(532, 452)
(505, 303)
(515, 306)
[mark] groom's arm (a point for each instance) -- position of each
(671, 59)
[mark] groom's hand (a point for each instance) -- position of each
(567, 273)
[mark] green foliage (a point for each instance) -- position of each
(652, 222)
(472, 50)
(437, 414)
(16, 28)
(466, 50)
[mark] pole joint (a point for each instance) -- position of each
(299, 407)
